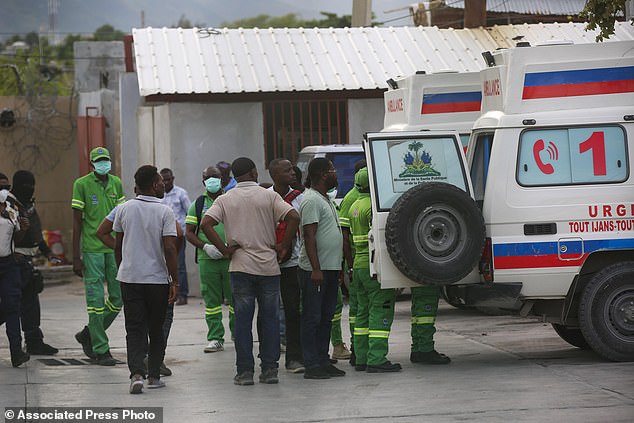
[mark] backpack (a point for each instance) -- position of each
(280, 230)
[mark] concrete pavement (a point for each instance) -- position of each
(503, 369)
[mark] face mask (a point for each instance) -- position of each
(102, 167)
(332, 194)
(3, 195)
(213, 185)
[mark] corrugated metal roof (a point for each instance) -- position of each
(192, 61)
(529, 7)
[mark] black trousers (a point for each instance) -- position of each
(289, 287)
(144, 306)
(30, 306)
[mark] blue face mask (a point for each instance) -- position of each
(213, 185)
(102, 167)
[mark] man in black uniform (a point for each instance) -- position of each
(21, 198)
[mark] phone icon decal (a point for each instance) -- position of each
(553, 155)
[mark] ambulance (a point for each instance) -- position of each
(550, 165)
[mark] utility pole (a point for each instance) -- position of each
(475, 13)
(361, 13)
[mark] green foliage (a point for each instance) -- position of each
(602, 14)
(108, 33)
(291, 20)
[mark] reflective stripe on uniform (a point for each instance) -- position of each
(112, 307)
(213, 310)
(379, 334)
(95, 310)
(336, 317)
(192, 220)
(423, 320)
(77, 204)
(361, 331)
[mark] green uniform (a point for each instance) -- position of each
(424, 309)
(95, 199)
(336, 337)
(375, 306)
(214, 278)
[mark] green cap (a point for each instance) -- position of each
(99, 153)
(361, 179)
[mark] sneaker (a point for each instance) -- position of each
(243, 378)
(333, 371)
(294, 367)
(136, 384)
(214, 346)
(386, 367)
(316, 373)
(105, 359)
(360, 367)
(83, 337)
(163, 371)
(269, 376)
(181, 301)
(153, 383)
(429, 357)
(341, 352)
(40, 348)
(19, 358)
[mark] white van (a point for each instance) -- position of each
(342, 156)
(550, 162)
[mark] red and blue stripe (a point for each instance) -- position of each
(578, 82)
(451, 102)
(544, 254)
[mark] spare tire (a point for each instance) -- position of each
(435, 234)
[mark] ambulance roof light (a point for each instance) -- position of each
(628, 118)
(421, 72)
(488, 58)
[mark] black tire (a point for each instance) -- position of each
(606, 312)
(453, 299)
(573, 336)
(435, 234)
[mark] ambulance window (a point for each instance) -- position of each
(480, 165)
(344, 163)
(584, 155)
(464, 139)
(403, 163)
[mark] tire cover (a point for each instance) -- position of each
(435, 234)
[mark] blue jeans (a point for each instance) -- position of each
(318, 307)
(183, 286)
(246, 288)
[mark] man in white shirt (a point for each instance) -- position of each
(146, 254)
(178, 200)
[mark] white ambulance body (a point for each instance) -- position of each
(435, 111)
(551, 165)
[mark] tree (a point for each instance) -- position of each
(184, 22)
(108, 33)
(291, 20)
(602, 14)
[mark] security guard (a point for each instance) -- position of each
(213, 267)
(375, 306)
(424, 309)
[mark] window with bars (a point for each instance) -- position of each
(291, 125)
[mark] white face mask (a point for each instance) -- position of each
(332, 194)
(3, 195)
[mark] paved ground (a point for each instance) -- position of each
(504, 369)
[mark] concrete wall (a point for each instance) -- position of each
(98, 64)
(45, 144)
(364, 115)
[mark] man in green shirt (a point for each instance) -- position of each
(375, 306)
(215, 284)
(94, 196)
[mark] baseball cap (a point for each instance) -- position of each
(99, 153)
(361, 179)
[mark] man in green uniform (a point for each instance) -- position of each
(424, 309)
(348, 254)
(375, 306)
(215, 284)
(94, 196)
